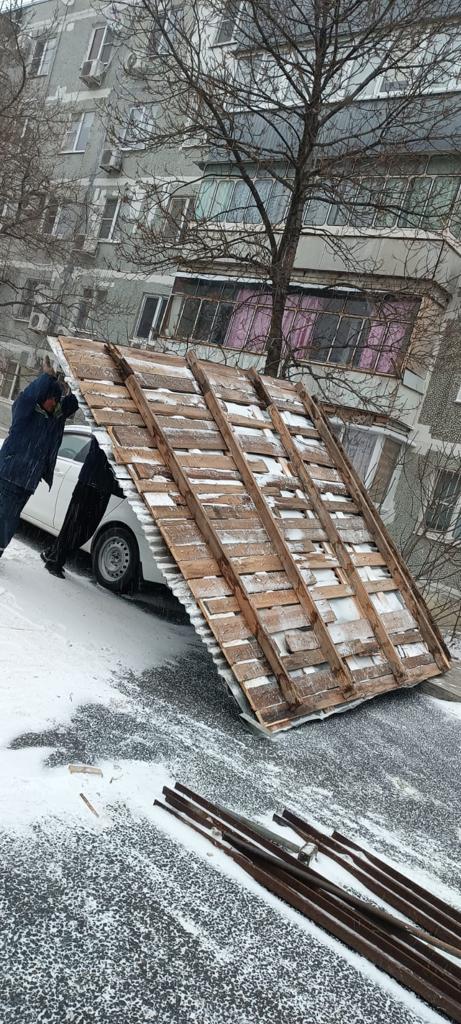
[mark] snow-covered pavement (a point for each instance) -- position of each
(127, 916)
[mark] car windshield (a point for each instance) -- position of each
(74, 446)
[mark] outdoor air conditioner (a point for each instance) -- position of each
(93, 72)
(137, 65)
(39, 322)
(111, 161)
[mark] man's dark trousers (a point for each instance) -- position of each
(86, 509)
(12, 501)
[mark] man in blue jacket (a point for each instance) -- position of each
(29, 453)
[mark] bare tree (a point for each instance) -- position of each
(310, 104)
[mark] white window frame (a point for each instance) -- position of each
(160, 309)
(431, 531)
(108, 30)
(81, 121)
(144, 121)
(110, 237)
(223, 18)
(47, 60)
(89, 298)
(38, 286)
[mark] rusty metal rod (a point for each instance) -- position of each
(307, 872)
(315, 907)
(437, 924)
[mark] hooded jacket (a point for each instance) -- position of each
(96, 472)
(29, 453)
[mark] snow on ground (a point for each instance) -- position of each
(127, 915)
(62, 645)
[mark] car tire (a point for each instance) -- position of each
(115, 557)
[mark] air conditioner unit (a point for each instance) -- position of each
(93, 72)
(111, 161)
(137, 65)
(39, 322)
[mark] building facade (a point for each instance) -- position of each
(78, 58)
(375, 336)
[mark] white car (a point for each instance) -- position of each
(120, 554)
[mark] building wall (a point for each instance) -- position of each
(104, 269)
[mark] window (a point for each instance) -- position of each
(77, 133)
(158, 43)
(42, 57)
(165, 29)
(108, 225)
(150, 317)
(206, 313)
(228, 23)
(88, 307)
(136, 133)
(429, 200)
(444, 502)
(30, 294)
(385, 469)
(366, 333)
(101, 44)
(231, 200)
(75, 447)
(174, 217)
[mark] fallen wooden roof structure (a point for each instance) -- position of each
(261, 528)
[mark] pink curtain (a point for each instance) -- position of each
(387, 334)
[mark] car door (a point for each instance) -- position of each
(42, 506)
(75, 452)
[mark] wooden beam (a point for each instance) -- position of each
(271, 525)
(208, 530)
(414, 599)
(344, 558)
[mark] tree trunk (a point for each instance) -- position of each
(274, 347)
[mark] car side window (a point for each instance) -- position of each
(75, 447)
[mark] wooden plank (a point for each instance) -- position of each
(267, 581)
(360, 558)
(157, 380)
(206, 440)
(229, 627)
(126, 456)
(225, 566)
(110, 404)
(281, 619)
(273, 530)
(161, 512)
(110, 417)
(318, 458)
(305, 641)
(265, 600)
(209, 586)
(244, 671)
(247, 651)
(136, 436)
(382, 539)
(174, 421)
(303, 659)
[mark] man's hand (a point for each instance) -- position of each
(48, 368)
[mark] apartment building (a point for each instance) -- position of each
(77, 56)
(368, 332)
(372, 317)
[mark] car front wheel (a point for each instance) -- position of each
(116, 559)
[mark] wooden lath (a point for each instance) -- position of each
(276, 542)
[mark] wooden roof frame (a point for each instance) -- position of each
(255, 501)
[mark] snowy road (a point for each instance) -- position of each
(126, 918)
